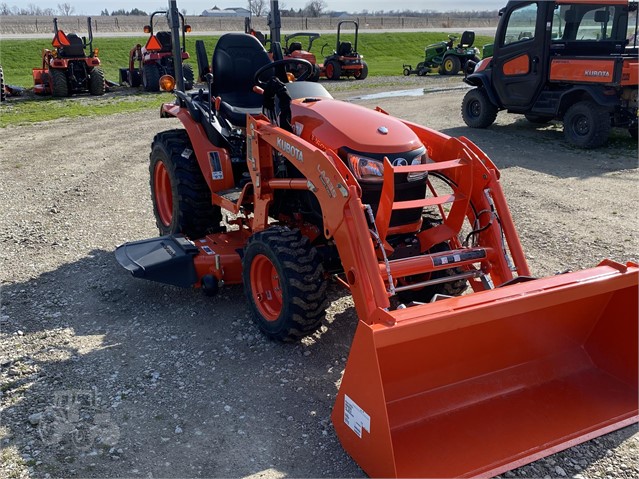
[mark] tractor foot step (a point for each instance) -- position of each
(232, 194)
(166, 259)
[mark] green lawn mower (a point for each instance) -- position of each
(445, 58)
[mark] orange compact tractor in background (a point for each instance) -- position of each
(437, 384)
(69, 68)
(569, 60)
(149, 62)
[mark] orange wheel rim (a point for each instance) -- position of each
(329, 70)
(163, 195)
(265, 286)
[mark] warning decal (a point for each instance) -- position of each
(355, 417)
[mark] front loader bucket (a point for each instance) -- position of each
(481, 384)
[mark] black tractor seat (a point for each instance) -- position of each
(236, 58)
(165, 40)
(75, 47)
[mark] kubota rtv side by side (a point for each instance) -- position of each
(72, 67)
(568, 60)
(398, 214)
(149, 62)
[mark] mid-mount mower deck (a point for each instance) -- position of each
(399, 214)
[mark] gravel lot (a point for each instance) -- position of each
(103, 375)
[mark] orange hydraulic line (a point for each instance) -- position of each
(288, 184)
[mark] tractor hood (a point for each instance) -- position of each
(333, 124)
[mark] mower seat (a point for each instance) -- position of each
(165, 40)
(236, 58)
(345, 49)
(75, 47)
(295, 46)
(467, 39)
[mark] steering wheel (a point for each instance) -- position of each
(306, 72)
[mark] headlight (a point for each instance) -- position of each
(420, 175)
(366, 169)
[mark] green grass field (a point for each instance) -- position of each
(384, 52)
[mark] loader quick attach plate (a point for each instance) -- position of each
(166, 259)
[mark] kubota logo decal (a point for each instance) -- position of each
(597, 73)
(290, 150)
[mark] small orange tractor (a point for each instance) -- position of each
(149, 62)
(344, 61)
(69, 68)
(437, 384)
(569, 60)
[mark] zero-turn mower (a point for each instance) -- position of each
(344, 61)
(72, 67)
(437, 384)
(149, 62)
(445, 58)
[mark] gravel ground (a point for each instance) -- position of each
(106, 376)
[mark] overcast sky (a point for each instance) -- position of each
(197, 6)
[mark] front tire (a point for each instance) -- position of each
(96, 82)
(284, 282)
(587, 125)
(2, 93)
(151, 77)
(333, 70)
(363, 73)
(60, 86)
(477, 109)
(181, 197)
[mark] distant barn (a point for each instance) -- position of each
(227, 12)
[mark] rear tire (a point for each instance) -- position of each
(587, 125)
(151, 77)
(363, 73)
(450, 66)
(189, 76)
(181, 197)
(315, 76)
(96, 82)
(477, 110)
(406, 72)
(59, 85)
(333, 70)
(284, 282)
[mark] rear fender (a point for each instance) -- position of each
(586, 92)
(214, 162)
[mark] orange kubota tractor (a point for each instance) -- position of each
(400, 215)
(568, 60)
(69, 68)
(149, 62)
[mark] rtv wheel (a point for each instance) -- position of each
(477, 109)
(181, 197)
(587, 124)
(59, 84)
(96, 82)
(189, 76)
(151, 77)
(284, 282)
